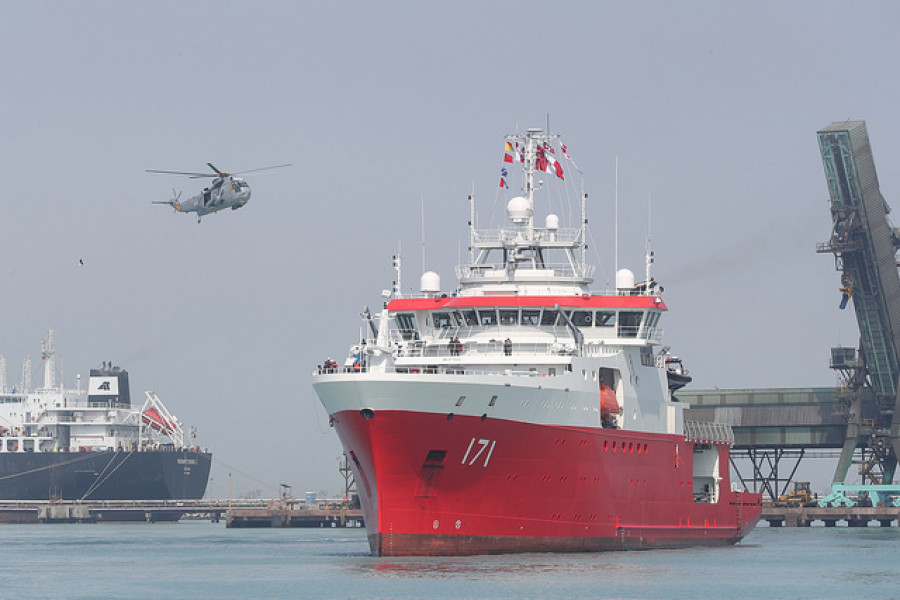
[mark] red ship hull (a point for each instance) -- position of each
(438, 484)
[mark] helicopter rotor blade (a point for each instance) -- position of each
(261, 169)
(191, 174)
(218, 172)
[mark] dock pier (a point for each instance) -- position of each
(239, 514)
(853, 516)
(275, 517)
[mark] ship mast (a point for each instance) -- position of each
(26, 375)
(531, 139)
(47, 353)
(527, 252)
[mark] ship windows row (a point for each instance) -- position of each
(629, 322)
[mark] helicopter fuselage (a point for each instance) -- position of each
(226, 191)
(232, 192)
(229, 192)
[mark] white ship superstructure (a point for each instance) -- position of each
(52, 418)
(77, 443)
(523, 412)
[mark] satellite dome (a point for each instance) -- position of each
(551, 222)
(518, 210)
(430, 282)
(624, 279)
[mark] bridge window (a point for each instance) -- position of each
(583, 318)
(487, 317)
(629, 323)
(406, 324)
(470, 317)
(442, 319)
(509, 316)
(530, 316)
(549, 317)
(605, 318)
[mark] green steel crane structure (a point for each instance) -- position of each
(864, 245)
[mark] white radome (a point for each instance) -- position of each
(624, 279)
(430, 282)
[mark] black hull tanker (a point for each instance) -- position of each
(65, 444)
(125, 475)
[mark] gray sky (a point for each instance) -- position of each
(711, 107)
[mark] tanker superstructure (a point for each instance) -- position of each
(76, 444)
(524, 413)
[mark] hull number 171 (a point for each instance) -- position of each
(478, 446)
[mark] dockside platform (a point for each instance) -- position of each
(851, 516)
(241, 513)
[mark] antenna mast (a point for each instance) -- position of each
(472, 226)
(583, 227)
(398, 286)
(423, 234)
(616, 220)
(648, 258)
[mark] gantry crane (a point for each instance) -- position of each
(864, 245)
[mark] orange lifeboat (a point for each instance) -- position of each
(609, 406)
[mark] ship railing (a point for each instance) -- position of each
(447, 369)
(89, 419)
(708, 433)
(443, 349)
(108, 405)
(468, 371)
(497, 271)
(567, 236)
(441, 344)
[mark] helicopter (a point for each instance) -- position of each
(226, 191)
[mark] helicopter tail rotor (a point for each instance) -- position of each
(175, 202)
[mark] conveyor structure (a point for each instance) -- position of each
(864, 245)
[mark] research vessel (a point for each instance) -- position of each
(93, 444)
(522, 412)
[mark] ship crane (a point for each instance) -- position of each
(864, 245)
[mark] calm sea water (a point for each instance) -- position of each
(204, 560)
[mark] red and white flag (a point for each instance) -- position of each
(566, 154)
